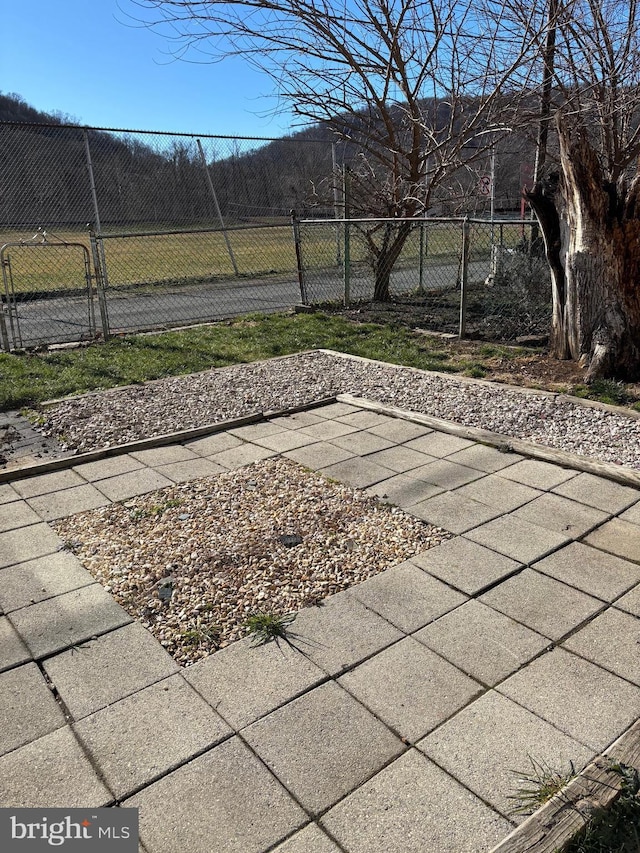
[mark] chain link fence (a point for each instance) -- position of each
(109, 231)
(476, 278)
(179, 228)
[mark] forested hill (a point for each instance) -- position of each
(149, 181)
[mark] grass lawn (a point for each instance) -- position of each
(27, 379)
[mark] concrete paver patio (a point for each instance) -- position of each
(394, 718)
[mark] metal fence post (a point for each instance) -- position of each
(100, 284)
(295, 223)
(464, 273)
(347, 238)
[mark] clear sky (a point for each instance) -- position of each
(86, 59)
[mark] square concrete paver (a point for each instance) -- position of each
(311, 839)
(400, 458)
(482, 642)
(297, 420)
(561, 514)
(541, 603)
(439, 444)
(322, 745)
(336, 410)
(484, 458)
(519, 539)
(288, 439)
(410, 688)
(224, 801)
(12, 650)
(538, 474)
(619, 537)
(466, 565)
(362, 443)
(578, 697)
(137, 740)
(244, 681)
(340, 632)
(364, 419)
(28, 709)
(251, 432)
(68, 619)
(27, 543)
(325, 430)
(318, 455)
(408, 597)
(164, 455)
(37, 580)
(453, 512)
(398, 430)
(238, 457)
(493, 740)
(124, 486)
(633, 513)
(403, 490)
(598, 492)
(611, 641)
(630, 602)
(414, 807)
(109, 467)
(190, 469)
(210, 444)
(51, 772)
(67, 502)
(16, 514)
(358, 472)
(499, 492)
(593, 571)
(448, 475)
(8, 493)
(109, 668)
(43, 483)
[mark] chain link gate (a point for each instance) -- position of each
(49, 294)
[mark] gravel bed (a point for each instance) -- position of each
(122, 415)
(215, 547)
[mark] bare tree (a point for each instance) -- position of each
(407, 84)
(587, 199)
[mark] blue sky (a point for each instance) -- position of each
(82, 58)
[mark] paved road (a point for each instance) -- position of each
(63, 319)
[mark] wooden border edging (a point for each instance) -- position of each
(625, 476)
(553, 826)
(21, 473)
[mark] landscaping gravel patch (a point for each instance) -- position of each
(193, 561)
(127, 414)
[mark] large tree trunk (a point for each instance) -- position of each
(592, 238)
(385, 259)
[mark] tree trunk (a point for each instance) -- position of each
(592, 240)
(384, 261)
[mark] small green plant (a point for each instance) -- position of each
(617, 828)
(201, 636)
(268, 626)
(537, 785)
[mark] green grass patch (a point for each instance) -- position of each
(33, 377)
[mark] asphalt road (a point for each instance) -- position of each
(67, 318)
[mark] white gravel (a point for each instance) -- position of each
(215, 544)
(170, 405)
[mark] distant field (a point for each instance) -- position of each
(187, 258)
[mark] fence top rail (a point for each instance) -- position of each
(83, 127)
(417, 220)
(219, 230)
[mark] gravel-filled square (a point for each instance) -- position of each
(193, 561)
